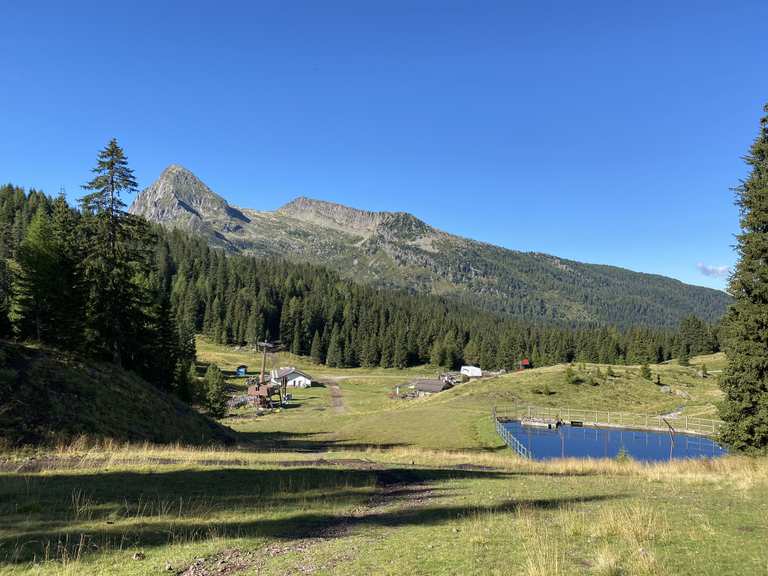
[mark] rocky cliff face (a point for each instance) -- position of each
(181, 198)
(397, 250)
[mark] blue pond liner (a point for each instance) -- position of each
(594, 442)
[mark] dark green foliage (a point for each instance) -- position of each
(215, 391)
(95, 281)
(116, 263)
(316, 350)
(240, 300)
(696, 337)
(37, 281)
(745, 380)
(645, 372)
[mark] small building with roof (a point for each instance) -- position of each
(429, 386)
(292, 377)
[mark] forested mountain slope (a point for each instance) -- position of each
(397, 250)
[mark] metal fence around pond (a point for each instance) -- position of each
(607, 418)
(509, 438)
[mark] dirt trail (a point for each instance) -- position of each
(337, 402)
(394, 490)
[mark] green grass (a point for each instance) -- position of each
(47, 396)
(389, 486)
(457, 419)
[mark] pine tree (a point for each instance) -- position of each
(5, 300)
(68, 301)
(400, 349)
(316, 349)
(215, 391)
(745, 380)
(37, 281)
(334, 356)
(116, 257)
(645, 371)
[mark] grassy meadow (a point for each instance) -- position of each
(350, 481)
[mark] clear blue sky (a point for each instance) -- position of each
(603, 131)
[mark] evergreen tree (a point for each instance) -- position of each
(215, 391)
(68, 300)
(5, 300)
(745, 380)
(645, 372)
(316, 349)
(334, 356)
(115, 260)
(37, 281)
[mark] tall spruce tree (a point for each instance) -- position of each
(745, 380)
(116, 262)
(37, 281)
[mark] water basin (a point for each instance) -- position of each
(594, 442)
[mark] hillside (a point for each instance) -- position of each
(347, 478)
(47, 397)
(397, 250)
(457, 419)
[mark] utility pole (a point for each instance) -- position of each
(266, 345)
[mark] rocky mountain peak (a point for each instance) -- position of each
(338, 216)
(180, 196)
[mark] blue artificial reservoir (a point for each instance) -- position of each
(592, 442)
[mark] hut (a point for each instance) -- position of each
(291, 377)
(424, 388)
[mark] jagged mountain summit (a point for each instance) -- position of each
(397, 250)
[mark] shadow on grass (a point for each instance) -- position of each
(175, 506)
(311, 442)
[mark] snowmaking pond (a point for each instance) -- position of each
(569, 441)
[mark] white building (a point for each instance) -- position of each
(471, 371)
(292, 377)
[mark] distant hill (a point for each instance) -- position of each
(48, 397)
(397, 250)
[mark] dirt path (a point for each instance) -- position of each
(394, 490)
(337, 403)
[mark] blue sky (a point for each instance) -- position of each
(601, 131)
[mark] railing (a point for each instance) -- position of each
(596, 417)
(509, 438)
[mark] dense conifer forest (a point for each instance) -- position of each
(105, 283)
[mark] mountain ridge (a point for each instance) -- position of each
(398, 250)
